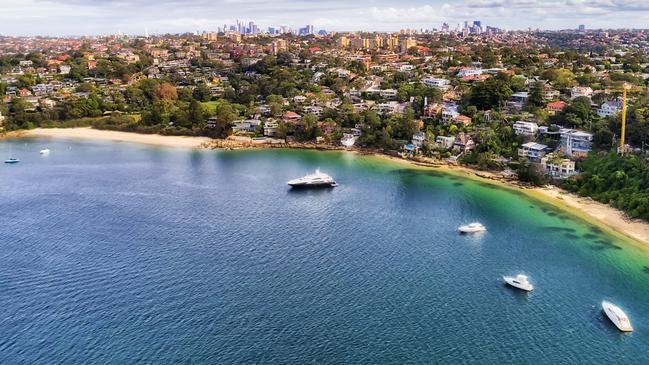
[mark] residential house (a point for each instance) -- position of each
(464, 143)
(579, 91)
(610, 108)
(248, 125)
(433, 109)
(462, 120)
(469, 72)
(389, 93)
(212, 122)
(388, 108)
(328, 127)
(445, 141)
(299, 99)
(558, 167)
(518, 100)
(418, 139)
(270, 128)
(442, 84)
(575, 143)
(313, 110)
(522, 128)
(290, 116)
(532, 151)
(449, 112)
(555, 107)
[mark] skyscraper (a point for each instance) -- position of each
(582, 28)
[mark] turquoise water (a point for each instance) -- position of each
(121, 253)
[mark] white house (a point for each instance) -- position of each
(270, 128)
(578, 91)
(248, 125)
(558, 167)
(525, 128)
(299, 98)
(610, 108)
(313, 110)
(445, 141)
(442, 84)
(449, 112)
(388, 93)
(418, 139)
(469, 72)
(532, 151)
(575, 143)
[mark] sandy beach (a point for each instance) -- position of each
(594, 212)
(95, 134)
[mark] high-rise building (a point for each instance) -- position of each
(343, 42)
(582, 28)
(280, 45)
(406, 43)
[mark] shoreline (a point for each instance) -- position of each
(612, 220)
(88, 133)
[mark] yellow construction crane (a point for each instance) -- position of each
(624, 90)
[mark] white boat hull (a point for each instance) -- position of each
(516, 283)
(312, 185)
(472, 228)
(617, 316)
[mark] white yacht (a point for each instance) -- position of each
(317, 179)
(45, 151)
(472, 228)
(617, 316)
(519, 281)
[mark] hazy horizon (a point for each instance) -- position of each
(100, 17)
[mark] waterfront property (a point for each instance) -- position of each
(532, 151)
(576, 143)
(558, 167)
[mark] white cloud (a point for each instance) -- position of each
(107, 16)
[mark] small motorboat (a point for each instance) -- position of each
(472, 228)
(519, 281)
(12, 160)
(617, 316)
(45, 151)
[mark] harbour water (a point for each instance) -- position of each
(123, 253)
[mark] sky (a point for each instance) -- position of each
(91, 17)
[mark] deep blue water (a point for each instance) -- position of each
(121, 253)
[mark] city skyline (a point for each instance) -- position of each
(94, 17)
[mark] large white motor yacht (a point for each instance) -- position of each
(45, 151)
(472, 228)
(317, 179)
(519, 281)
(617, 316)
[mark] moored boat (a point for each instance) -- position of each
(472, 228)
(315, 180)
(519, 281)
(12, 161)
(617, 316)
(45, 151)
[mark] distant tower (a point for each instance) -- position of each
(146, 32)
(582, 28)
